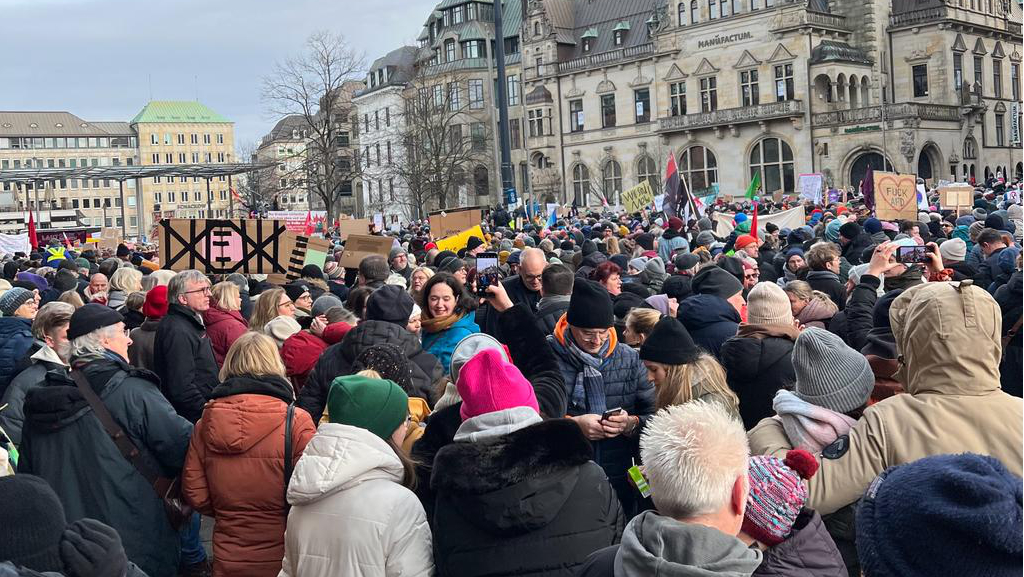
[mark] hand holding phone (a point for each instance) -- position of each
(610, 413)
(912, 254)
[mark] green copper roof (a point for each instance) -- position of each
(590, 33)
(177, 111)
(623, 25)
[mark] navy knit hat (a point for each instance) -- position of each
(942, 515)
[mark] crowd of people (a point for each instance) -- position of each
(620, 395)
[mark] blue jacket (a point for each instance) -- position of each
(441, 344)
(15, 340)
(711, 321)
(668, 243)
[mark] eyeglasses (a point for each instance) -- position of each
(530, 277)
(204, 290)
(286, 304)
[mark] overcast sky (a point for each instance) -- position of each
(102, 59)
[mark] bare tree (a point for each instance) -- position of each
(258, 188)
(317, 85)
(447, 137)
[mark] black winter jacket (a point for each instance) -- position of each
(64, 443)
(853, 251)
(859, 314)
(337, 361)
(828, 283)
(183, 359)
(12, 418)
(549, 311)
(758, 362)
(1010, 369)
(711, 321)
(487, 317)
(15, 341)
(528, 503)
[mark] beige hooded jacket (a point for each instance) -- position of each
(948, 338)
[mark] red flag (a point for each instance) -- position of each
(310, 229)
(32, 238)
(753, 222)
(671, 205)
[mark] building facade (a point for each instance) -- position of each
(285, 146)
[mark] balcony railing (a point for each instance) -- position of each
(827, 20)
(892, 112)
(744, 114)
(608, 57)
(921, 16)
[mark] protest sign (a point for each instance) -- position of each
(955, 195)
(378, 222)
(295, 220)
(459, 241)
(895, 196)
(447, 224)
(659, 203)
(305, 251)
(353, 226)
(638, 198)
(360, 246)
(12, 243)
(809, 186)
(792, 218)
(227, 246)
(834, 196)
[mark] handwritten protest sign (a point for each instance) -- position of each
(459, 241)
(447, 224)
(809, 186)
(638, 198)
(895, 196)
(360, 246)
(956, 195)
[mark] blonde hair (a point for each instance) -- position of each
(803, 291)
(642, 321)
(72, 298)
(703, 376)
(126, 279)
(158, 278)
(265, 309)
(225, 296)
(252, 354)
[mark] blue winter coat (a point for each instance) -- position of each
(441, 344)
(711, 321)
(668, 243)
(15, 340)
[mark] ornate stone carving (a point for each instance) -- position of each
(907, 147)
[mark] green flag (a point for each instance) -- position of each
(754, 185)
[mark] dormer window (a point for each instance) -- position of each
(618, 37)
(588, 39)
(619, 33)
(586, 44)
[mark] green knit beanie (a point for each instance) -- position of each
(377, 405)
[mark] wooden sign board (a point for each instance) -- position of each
(956, 195)
(448, 224)
(226, 246)
(349, 226)
(360, 246)
(895, 196)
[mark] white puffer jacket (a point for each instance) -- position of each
(350, 515)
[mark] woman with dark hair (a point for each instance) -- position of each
(609, 275)
(447, 316)
(356, 301)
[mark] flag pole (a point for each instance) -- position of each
(689, 197)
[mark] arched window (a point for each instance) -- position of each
(481, 181)
(580, 184)
(536, 28)
(699, 167)
(774, 159)
(647, 169)
(611, 176)
(694, 12)
(682, 13)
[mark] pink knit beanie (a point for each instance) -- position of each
(777, 493)
(487, 384)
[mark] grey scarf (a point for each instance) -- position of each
(588, 390)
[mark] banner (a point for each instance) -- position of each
(295, 220)
(1015, 123)
(459, 241)
(447, 224)
(360, 246)
(12, 243)
(638, 198)
(895, 196)
(792, 218)
(809, 186)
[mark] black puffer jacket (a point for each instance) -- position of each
(183, 359)
(531, 502)
(828, 283)
(1010, 369)
(758, 362)
(487, 318)
(853, 251)
(711, 321)
(337, 361)
(549, 310)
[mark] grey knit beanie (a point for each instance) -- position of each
(829, 373)
(13, 299)
(705, 238)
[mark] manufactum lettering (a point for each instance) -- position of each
(717, 40)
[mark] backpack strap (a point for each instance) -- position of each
(289, 417)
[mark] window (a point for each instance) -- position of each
(457, 15)
(748, 88)
(682, 13)
(366, 155)
(167, 140)
(455, 137)
(481, 184)
(611, 178)
(540, 64)
(713, 9)
(376, 148)
(535, 119)
(979, 73)
(471, 49)
(171, 196)
(677, 98)
(454, 98)
(642, 103)
(1000, 132)
(181, 158)
(607, 110)
(997, 77)
(586, 44)
(512, 83)
(536, 28)
(194, 138)
(580, 184)
(376, 119)
(618, 37)
(920, 76)
(515, 133)
(1015, 81)
(576, 115)
(181, 139)
(709, 94)
(774, 160)
(479, 138)
(391, 189)
(154, 139)
(476, 93)
(438, 91)
(388, 143)
(783, 82)
(647, 170)
(449, 50)
(206, 139)
(699, 167)
(694, 12)
(220, 138)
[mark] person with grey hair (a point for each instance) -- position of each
(50, 329)
(695, 460)
(66, 441)
(524, 288)
(183, 354)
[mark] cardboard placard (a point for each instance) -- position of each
(226, 246)
(895, 196)
(459, 241)
(306, 250)
(957, 195)
(448, 224)
(360, 246)
(639, 197)
(810, 186)
(349, 226)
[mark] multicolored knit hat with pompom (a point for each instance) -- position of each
(777, 494)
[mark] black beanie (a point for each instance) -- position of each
(90, 317)
(390, 303)
(645, 240)
(33, 520)
(626, 302)
(590, 306)
(715, 281)
(122, 250)
(65, 280)
(850, 230)
(473, 243)
(296, 289)
(567, 245)
(589, 247)
(669, 344)
(312, 271)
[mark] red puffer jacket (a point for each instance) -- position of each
(234, 471)
(223, 327)
(301, 351)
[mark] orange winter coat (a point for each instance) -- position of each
(234, 471)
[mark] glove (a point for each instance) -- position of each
(89, 548)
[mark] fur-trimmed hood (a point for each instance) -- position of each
(516, 483)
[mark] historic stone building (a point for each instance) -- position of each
(733, 87)
(285, 146)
